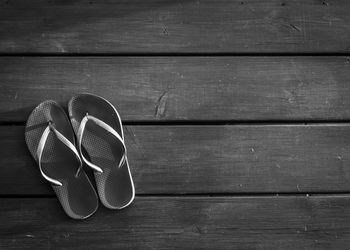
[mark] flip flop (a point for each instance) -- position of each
(50, 140)
(99, 132)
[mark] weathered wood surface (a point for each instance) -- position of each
(174, 26)
(211, 162)
(183, 88)
(209, 159)
(320, 222)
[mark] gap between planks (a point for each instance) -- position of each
(204, 195)
(218, 123)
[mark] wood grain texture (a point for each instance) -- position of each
(174, 26)
(320, 222)
(183, 88)
(209, 159)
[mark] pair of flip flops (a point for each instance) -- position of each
(99, 143)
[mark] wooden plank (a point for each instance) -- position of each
(174, 26)
(183, 88)
(182, 223)
(209, 159)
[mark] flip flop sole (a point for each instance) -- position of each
(76, 195)
(115, 185)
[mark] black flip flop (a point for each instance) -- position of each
(50, 140)
(99, 131)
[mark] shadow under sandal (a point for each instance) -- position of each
(50, 140)
(99, 132)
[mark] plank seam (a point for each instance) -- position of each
(216, 123)
(232, 195)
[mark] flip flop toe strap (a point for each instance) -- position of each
(106, 127)
(41, 147)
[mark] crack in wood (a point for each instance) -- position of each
(161, 105)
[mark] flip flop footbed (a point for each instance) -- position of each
(76, 194)
(115, 185)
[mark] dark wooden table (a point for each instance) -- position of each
(236, 117)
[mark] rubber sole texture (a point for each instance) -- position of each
(114, 185)
(76, 195)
